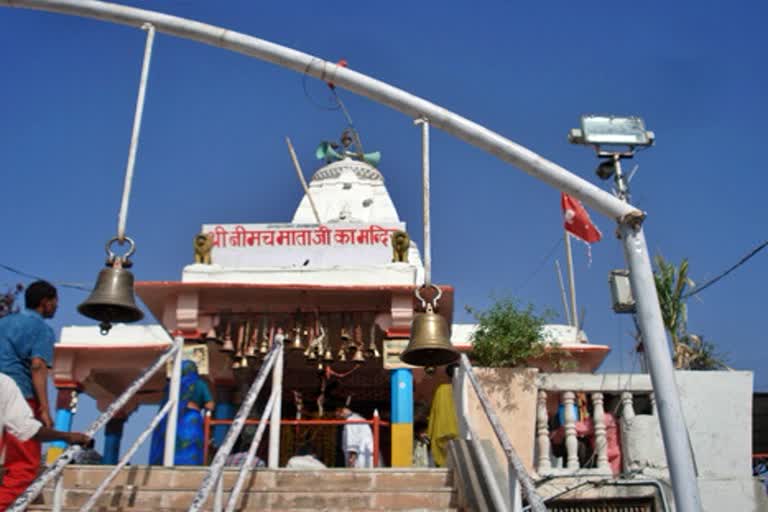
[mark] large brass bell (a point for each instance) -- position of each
(430, 343)
(112, 299)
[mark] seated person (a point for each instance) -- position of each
(422, 458)
(240, 450)
(305, 458)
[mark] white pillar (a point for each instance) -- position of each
(571, 443)
(274, 420)
(601, 440)
(173, 414)
(543, 461)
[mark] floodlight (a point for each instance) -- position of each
(621, 291)
(602, 130)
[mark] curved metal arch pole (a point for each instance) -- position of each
(354, 81)
(671, 418)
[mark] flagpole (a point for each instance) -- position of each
(571, 280)
(562, 292)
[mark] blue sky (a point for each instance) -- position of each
(212, 144)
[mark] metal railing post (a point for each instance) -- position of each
(515, 498)
(58, 494)
(219, 460)
(460, 397)
(274, 420)
(218, 497)
(206, 435)
(173, 414)
(376, 437)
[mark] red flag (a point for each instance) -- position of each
(577, 221)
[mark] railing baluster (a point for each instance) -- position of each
(601, 440)
(571, 443)
(543, 462)
(628, 414)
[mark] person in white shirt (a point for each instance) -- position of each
(305, 458)
(357, 440)
(17, 418)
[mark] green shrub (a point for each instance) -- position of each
(508, 334)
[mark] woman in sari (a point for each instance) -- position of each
(194, 396)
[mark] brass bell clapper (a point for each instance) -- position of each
(430, 341)
(112, 299)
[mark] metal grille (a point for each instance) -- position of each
(603, 505)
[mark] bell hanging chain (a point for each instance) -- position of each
(123, 214)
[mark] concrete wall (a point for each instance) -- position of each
(718, 412)
(512, 392)
(717, 407)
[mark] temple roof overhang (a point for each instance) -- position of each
(164, 298)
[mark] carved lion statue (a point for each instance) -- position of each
(203, 244)
(400, 244)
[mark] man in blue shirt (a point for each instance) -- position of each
(26, 354)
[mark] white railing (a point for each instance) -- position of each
(561, 389)
(214, 476)
(55, 470)
(519, 479)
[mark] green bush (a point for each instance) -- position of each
(508, 334)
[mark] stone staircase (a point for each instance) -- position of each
(158, 489)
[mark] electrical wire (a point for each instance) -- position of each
(743, 260)
(74, 286)
(333, 104)
(541, 264)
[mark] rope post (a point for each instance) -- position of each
(424, 122)
(123, 215)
